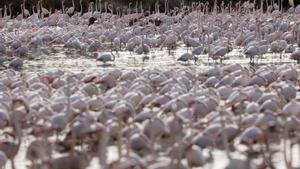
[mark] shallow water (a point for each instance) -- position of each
(57, 58)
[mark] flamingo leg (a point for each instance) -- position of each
(280, 57)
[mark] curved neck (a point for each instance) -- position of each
(111, 8)
(114, 57)
(24, 8)
(81, 9)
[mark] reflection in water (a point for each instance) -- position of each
(58, 59)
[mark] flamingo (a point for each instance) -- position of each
(63, 6)
(35, 16)
(110, 7)
(10, 11)
(170, 42)
(185, 57)
(16, 63)
(97, 6)
(198, 50)
(100, 8)
(263, 49)
(5, 11)
(3, 159)
(2, 48)
(191, 42)
(38, 149)
(129, 8)
(219, 52)
(278, 47)
(251, 52)
(81, 8)
(22, 51)
(143, 48)
(26, 13)
(71, 10)
(44, 10)
(296, 55)
(106, 57)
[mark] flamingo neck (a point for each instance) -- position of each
(142, 11)
(10, 12)
(5, 11)
(111, 9)
(129, 8)
(96, 5)
(165, 6)
(136, 7)
(24, 7)
(113, 56)
(22, 11)
(63, 7)
(81, 9)
(38, 9)
(92, 9)
(100, 8)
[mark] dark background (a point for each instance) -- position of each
(56, 4)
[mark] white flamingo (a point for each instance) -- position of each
(44, 10)
(106, 57)
(3, 159)
(26, 13)
(278, 46)
(71, 10)
(251, 52)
